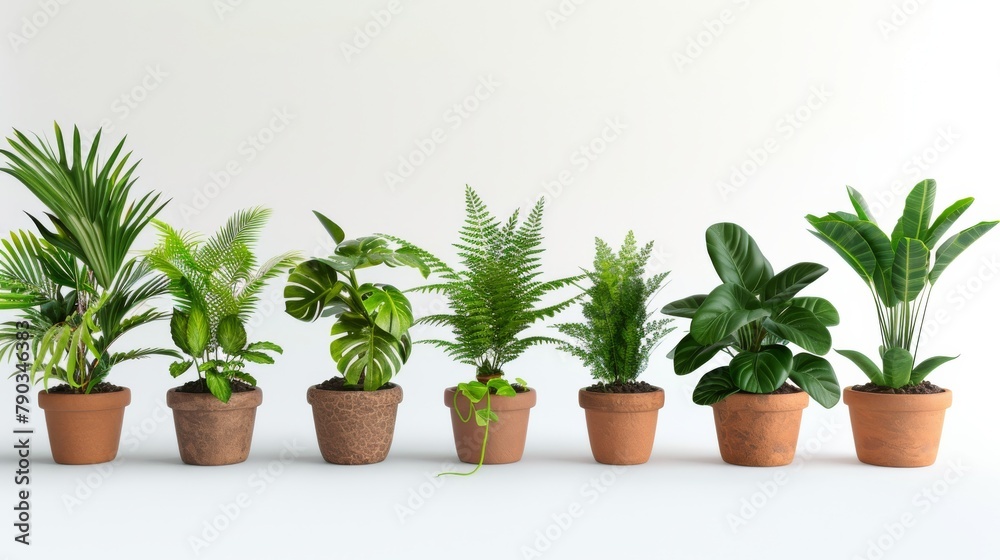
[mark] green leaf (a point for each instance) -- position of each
(848, 243)
(178, 368)
(815, 376)
(953, 247)
(897, 363)
(736, 257)
(860, 205)
(179, 330)
(800, 326)
(947, 218)
(232, 335)
(333, 229)
(506, 391)
(197, 332)
(916, 218)
(483, 416)
(244, 377)
(361, 349)
(256, 357)
(714, 386)
(726, 309)
(684, 308)
(921, 371)
(264, 345)
(473, 390)
(909, 269)
(764, 371)
(791, 281)
(390, 308)
(821, 308)
(866, 365)
(689, 355)
(219, 386)
(313, 287)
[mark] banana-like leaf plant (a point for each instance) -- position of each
(753, 316)
(371, 321)
(900, 270)
(216, 285)
(75, 285)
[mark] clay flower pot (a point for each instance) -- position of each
(355, 427)
(621, 426)
(211, 432)
(897, 430)
(84, 429)
(505, 443)
(759, 430)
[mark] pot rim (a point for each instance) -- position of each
(622, 402)
(72, 402)
(898, 403)
(388, 397)
(520, 401)
(207, 402)
(766, 402)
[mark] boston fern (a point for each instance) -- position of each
(75, 283)
(216, 285)
(900, 273)
(495, 297)
(618, 336)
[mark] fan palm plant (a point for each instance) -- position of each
(216, 285)
(76, 284)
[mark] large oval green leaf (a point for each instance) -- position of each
(916, 218)
(799, 326)
(684, 308)
(311, 287)
(726, 309)
(848, 243)
(897, 365)
(390, 308)
(815, 376)
(909, 269)
(821, 308)
(197, 331)
(764, 371)
(232, 335)
(714, 386)
(365, 352)
(736, 257)
(866, 365)
(689, 355)
(953, 247)
(791, 281)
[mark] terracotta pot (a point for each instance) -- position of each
(355, 427)
(84, 429)
(897, 430)
(759, 430)
(505, 442)
(211, 432)
(621, 426)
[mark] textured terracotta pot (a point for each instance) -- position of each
(84, 429)
(759, 430)
(505, 443)
(211, 432)
(621, 425)
(355, 427)
(897, 430)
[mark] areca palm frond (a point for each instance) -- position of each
(90, 212)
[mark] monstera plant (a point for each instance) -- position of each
(371, 342)
(753, 317)
(900, 270)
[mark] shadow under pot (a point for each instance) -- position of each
(211, 432)
(84, 429)
(759, 430)
(621, 426)
(355, 427)
(506, 437)
(897, 430)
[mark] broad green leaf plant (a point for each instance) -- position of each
(618, 334)
(753, 316)
(371, 339)
(74, 283)
(900, 270)
(494, 298)
(216, 285)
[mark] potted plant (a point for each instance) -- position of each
(898, 416)
(355, 415)
(615, 342)
(77, 290)
(493, 299)
(216, 286)
(752, 317)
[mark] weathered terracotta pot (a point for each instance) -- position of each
(621, 426)
(759, 430)
(505, 442)
(355, 427)
(84, 429)
(897, 430)
(211, 432)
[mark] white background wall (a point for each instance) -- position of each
(877, 95)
